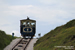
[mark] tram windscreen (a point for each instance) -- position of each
(33, 24)
(24, 23)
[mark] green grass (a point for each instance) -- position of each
(4, 39)
(61, 36)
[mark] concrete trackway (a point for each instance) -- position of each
(30, 46)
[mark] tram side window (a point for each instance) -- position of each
(33, 24)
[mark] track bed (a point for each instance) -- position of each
(22, 44)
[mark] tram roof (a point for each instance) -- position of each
(28, 20)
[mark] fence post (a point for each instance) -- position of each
(12, 34)
(39, 35)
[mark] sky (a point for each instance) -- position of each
(48, 14)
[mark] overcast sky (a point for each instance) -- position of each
(48, 14)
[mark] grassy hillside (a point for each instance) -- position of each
(61, 36)
(4, 39)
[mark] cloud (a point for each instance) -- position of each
(57, 1)
(40, 13)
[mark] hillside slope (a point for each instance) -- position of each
(61, 36)
(4, 39)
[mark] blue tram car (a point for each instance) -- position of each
(27, 27)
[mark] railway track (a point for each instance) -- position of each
(22, 44)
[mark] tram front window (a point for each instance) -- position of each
(24, 23)
(28, 23)
(33, 24)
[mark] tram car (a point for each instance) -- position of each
(27, 28)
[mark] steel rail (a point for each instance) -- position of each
(17, 44)
(27, 44)
(22, 41)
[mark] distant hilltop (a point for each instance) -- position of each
(61, 38)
